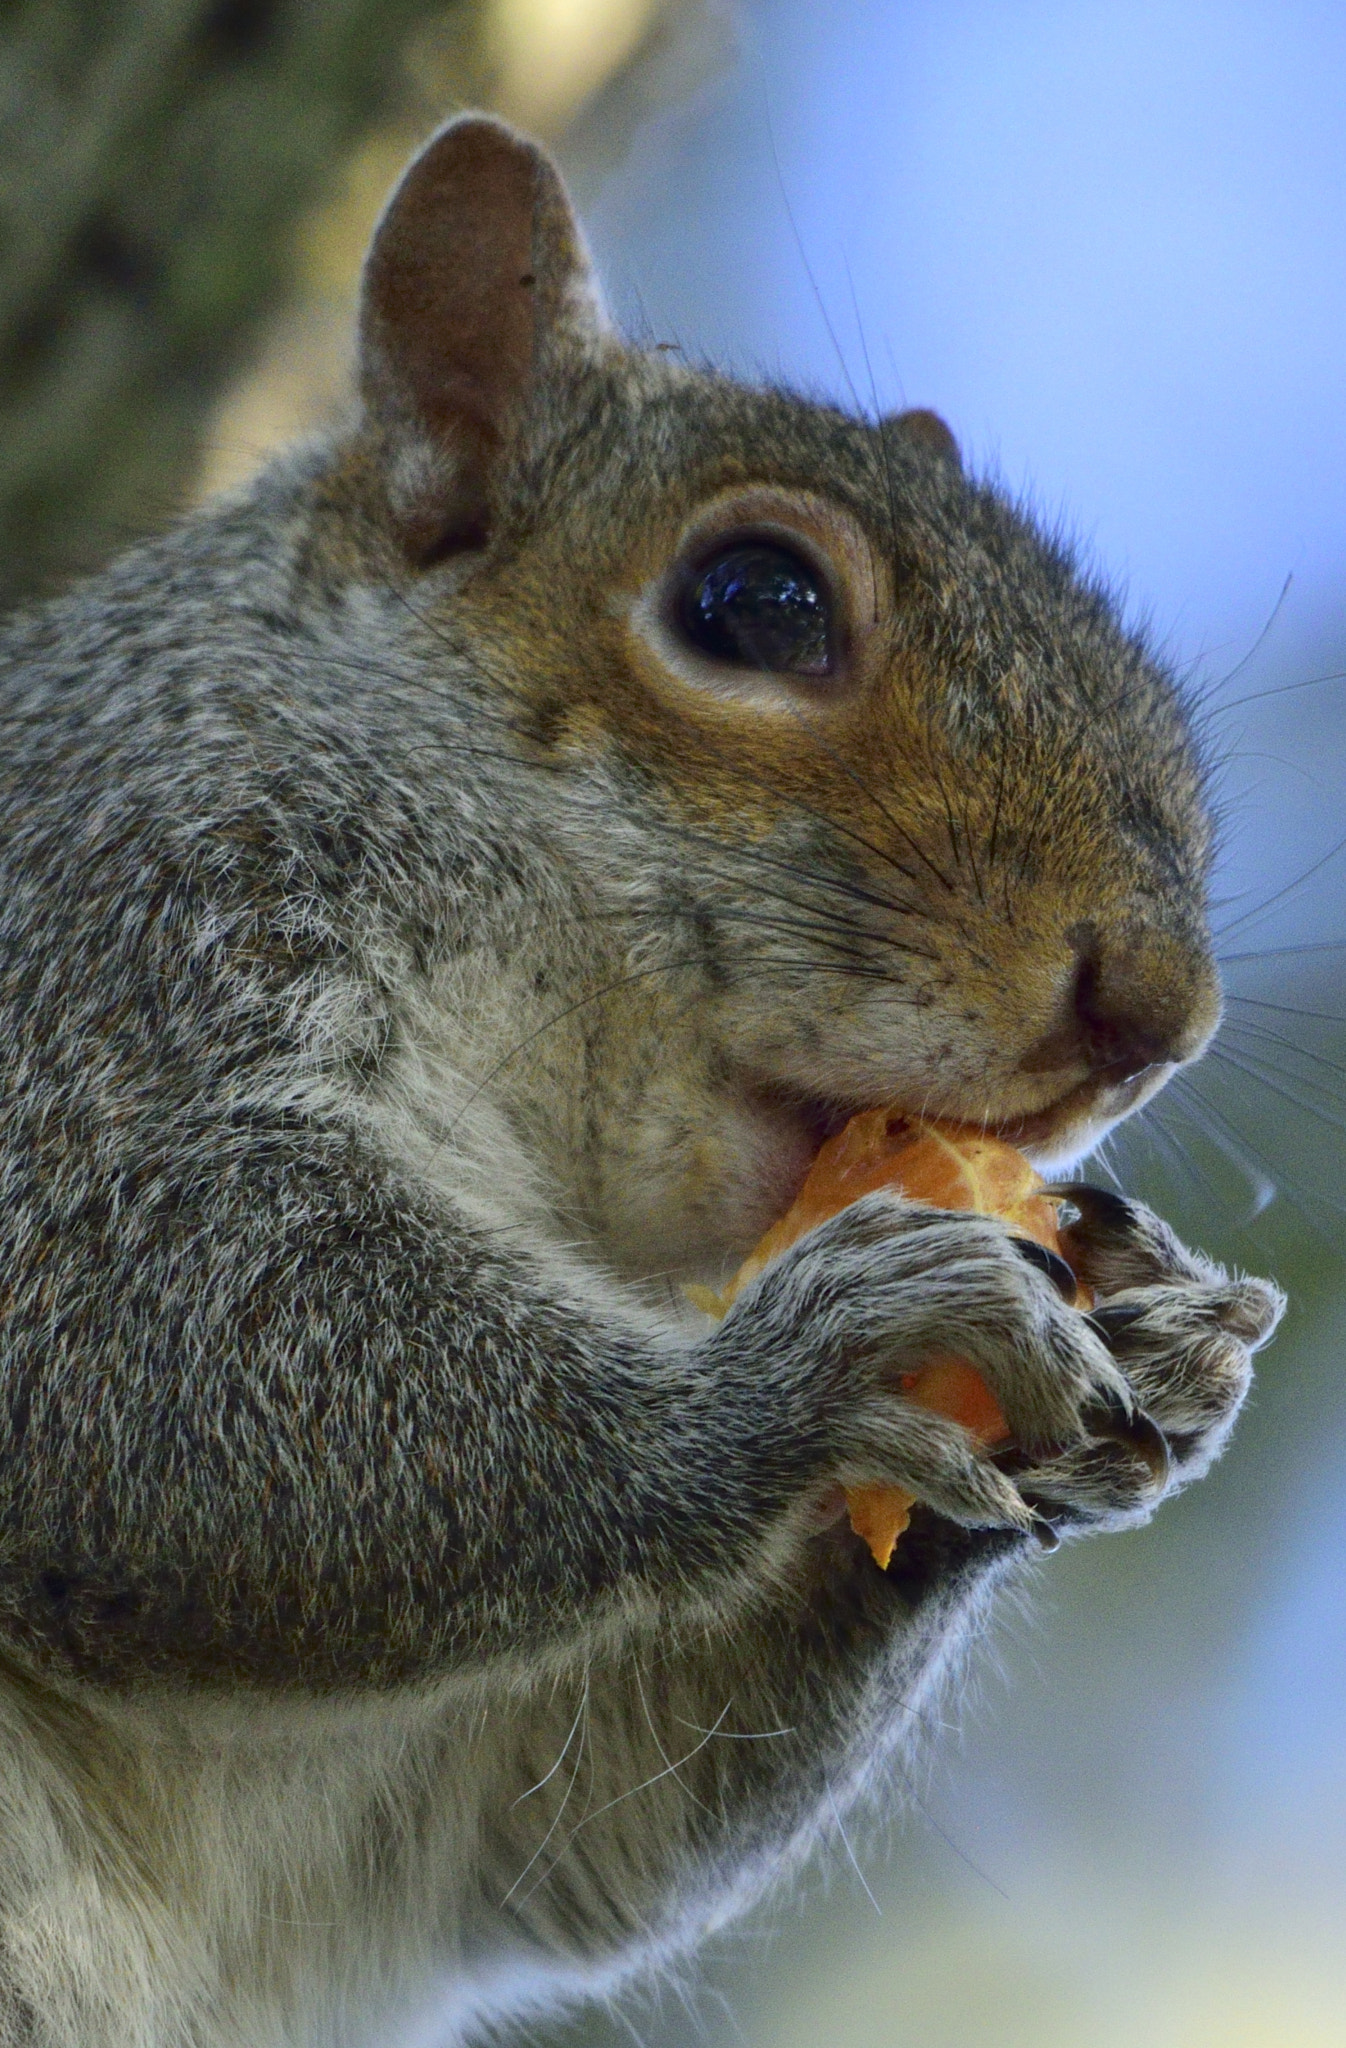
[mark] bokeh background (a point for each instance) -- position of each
(1107, 240)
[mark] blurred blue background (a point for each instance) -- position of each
(1108, 243)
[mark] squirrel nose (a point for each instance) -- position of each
(1116, 1041)
(1129, 1007)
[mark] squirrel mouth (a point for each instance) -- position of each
(821, 1117)
(1053, 1137)
(1074, 1123)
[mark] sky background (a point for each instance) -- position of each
(1108, 243)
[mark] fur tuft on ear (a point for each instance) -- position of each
(476, 282)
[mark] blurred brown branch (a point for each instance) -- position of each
(155, 157)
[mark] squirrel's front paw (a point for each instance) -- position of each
(1182, 1330)
(830, 1328)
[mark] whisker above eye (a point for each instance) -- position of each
(1278, 690)
(1260, 642)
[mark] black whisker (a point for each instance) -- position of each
(1258, 643)
(1303, 1052)
(949, 825)
(1289, 1009)
(1288, 889)
(1279, 690)
(824, 930)
(761, 782)
(879, 806)
(833, 884)
(1284, 952)
(800, 968)
(1265, 1077)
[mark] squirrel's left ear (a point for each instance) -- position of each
(476, 283)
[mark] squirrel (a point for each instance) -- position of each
(450, 890)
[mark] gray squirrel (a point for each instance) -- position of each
(450, 889)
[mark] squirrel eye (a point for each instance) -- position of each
(759, 605)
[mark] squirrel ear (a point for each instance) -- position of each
(476, 276)
(929, 433)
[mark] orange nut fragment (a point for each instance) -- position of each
(947, 1165)
(951, 1167)
(951, 1387)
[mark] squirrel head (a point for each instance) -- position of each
(888, 804)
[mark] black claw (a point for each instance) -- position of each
(1112, 1318)
(1109, 1422)
(1096, 1205)
(1153, 1445)
(1051, 1514)
(1045, 1534)
(1048, 1262)
(1108, 1416)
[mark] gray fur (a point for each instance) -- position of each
(388, 1551)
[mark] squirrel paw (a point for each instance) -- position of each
(827, 1331)
(1182, 1330)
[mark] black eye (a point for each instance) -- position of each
(759, 605)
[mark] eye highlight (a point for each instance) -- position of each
(757, 604)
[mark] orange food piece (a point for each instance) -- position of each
(948, 1165)
(951, 1167)
(951, 1387)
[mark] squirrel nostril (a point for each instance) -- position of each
(1117, 1043)
(1120, 1017)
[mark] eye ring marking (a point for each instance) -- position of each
(845, 564)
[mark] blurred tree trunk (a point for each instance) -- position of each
(155, 157)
